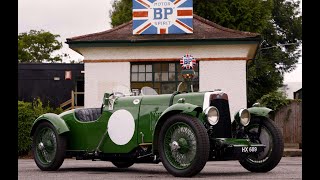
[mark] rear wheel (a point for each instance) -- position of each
(122, 164)
(48, 147)
(183, 145)
(269, 135)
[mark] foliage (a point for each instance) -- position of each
(274, 100)
(27, 113)
(278, 21)
(121, 12)
(38, 46)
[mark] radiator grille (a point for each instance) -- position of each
(223, 128)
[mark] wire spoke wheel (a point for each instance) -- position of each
(180, 145)
(183, 145)
(48, 147)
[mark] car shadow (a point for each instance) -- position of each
(147, 172)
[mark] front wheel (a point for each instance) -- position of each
(268, 134)
(183, 145)
(48, 147)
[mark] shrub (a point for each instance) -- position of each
(274, 100)
(27, 113)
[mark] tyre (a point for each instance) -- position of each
(183, 145)
(122, 164)
(270, 136)
(48, 147)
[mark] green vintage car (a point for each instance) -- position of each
(182, 130)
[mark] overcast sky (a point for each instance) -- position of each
(69, 18)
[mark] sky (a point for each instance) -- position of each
(69, 18)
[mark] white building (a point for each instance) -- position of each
(289, 88)
(117, 57)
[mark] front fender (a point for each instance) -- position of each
(255, 111)
(54, 119)
(260, 111)
(185, 108)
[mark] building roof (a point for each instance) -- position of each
(203, 29)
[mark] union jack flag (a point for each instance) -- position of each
(187, 61)
(162, 16)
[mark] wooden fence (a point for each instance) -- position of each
(289, 119)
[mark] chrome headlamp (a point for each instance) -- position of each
(244, 117)
(212, 115)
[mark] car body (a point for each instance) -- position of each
(183, 130)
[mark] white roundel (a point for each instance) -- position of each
(121, 127)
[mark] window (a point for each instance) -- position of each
(164, 77)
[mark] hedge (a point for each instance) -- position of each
(27, 113)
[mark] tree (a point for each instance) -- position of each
(121, 12)
(38, 46)
(278, 21)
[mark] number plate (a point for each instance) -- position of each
(249, 149)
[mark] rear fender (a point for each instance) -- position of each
(54, 119)
(177, 108)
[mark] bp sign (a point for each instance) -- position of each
(162, 16)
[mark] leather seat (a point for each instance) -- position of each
(87, 114)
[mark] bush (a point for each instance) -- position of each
(274, 100)
(27, 113)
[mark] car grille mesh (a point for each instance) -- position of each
(223, 128)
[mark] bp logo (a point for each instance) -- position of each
(162, 16)
(187, 61)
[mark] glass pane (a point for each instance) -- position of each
(148, 76)
(157, 67)
(179, 77)
(157, 76)
(164, 77)
(134, 68)
(142, 77)
(172, 76)
(179, 68)
(142, 68)
(134, 76)
(165, 67)
(172, 67)
(168, 88)
(149, 68)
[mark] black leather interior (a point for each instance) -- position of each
(87, 114)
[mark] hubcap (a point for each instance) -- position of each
(41, 146)
(174, 146)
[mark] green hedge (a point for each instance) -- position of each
(275, 100)
(27, 113)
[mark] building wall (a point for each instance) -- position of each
(104, 77)
(151, 52)
(290, 87)
(229, 76)
(215, 71)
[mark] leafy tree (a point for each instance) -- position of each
(121, 12)
(38, 46)
(278, 21)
